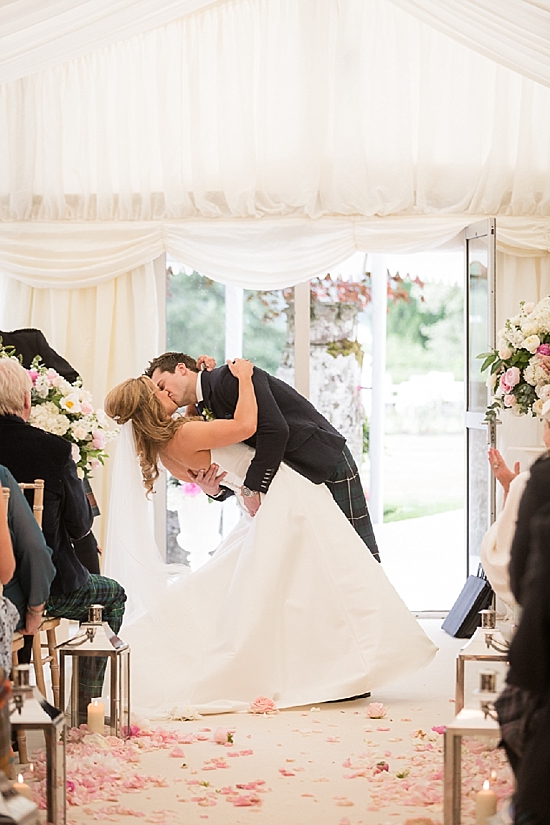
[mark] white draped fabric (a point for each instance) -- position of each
(36, 34)
(107, 332)
(512, 32)
(252, 109)
(270, 253)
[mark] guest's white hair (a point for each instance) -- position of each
(15, 382)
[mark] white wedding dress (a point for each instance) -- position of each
(291, 606)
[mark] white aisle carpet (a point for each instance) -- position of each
(327, 766)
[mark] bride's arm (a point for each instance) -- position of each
(196, 436)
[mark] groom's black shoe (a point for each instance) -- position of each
(349, 698)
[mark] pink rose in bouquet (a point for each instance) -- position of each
(509, 379)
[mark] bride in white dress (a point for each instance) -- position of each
(291, 606)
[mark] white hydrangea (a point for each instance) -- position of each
(47, 417)
(515, 337)
(530, 327)
(82, 427)
(42, 386)
(534, 374)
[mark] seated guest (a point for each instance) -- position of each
(26, 571)
(27, 344)
(31, 453)
(535, 496)
(524, 706)
(27, 580)
(496, 543)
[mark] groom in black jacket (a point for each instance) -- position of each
(290, 429)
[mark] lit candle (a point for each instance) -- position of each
(96, 716)
(22, 787)
(486, 804)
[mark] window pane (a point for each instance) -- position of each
(195, 314)
(268, 338)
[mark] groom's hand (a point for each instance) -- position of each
(208, 480)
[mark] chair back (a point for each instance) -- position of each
(38, 499)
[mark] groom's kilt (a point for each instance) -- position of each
(347, 491)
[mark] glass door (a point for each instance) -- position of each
(480, 256)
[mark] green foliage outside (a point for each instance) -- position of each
(426, 333)
(195, 321)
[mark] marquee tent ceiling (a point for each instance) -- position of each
(37, 34)
(163, 117)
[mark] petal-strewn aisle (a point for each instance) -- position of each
(331, 765)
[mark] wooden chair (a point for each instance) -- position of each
(17, 643)
(48, 626)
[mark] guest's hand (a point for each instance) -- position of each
(33, 619)
(208, 480)
(503, 474)
(206, 362)
(252, 503)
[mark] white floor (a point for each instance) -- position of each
(424, 559)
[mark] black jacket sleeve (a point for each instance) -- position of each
(76, 513)
(271, 436)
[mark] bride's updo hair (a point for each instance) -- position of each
(135, 400)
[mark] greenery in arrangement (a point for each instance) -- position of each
(519, 368)
(65, 409)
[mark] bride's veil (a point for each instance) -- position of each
(131, 555)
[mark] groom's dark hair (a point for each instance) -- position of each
(168, 361)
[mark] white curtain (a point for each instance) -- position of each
(276, 108)
(107, 332)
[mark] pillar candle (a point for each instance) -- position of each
(96, 716)
(22, 787)
(486, 804)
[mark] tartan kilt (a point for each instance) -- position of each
(347, 491)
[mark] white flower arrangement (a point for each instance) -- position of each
(520, 365)
(66, 409)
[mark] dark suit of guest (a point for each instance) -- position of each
(526, 699)
(535, 496)
(290, 429)
(31, 342)
(28, 343)
(30, 453)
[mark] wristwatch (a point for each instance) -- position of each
(247, 492)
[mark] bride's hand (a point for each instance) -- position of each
(241, 368)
